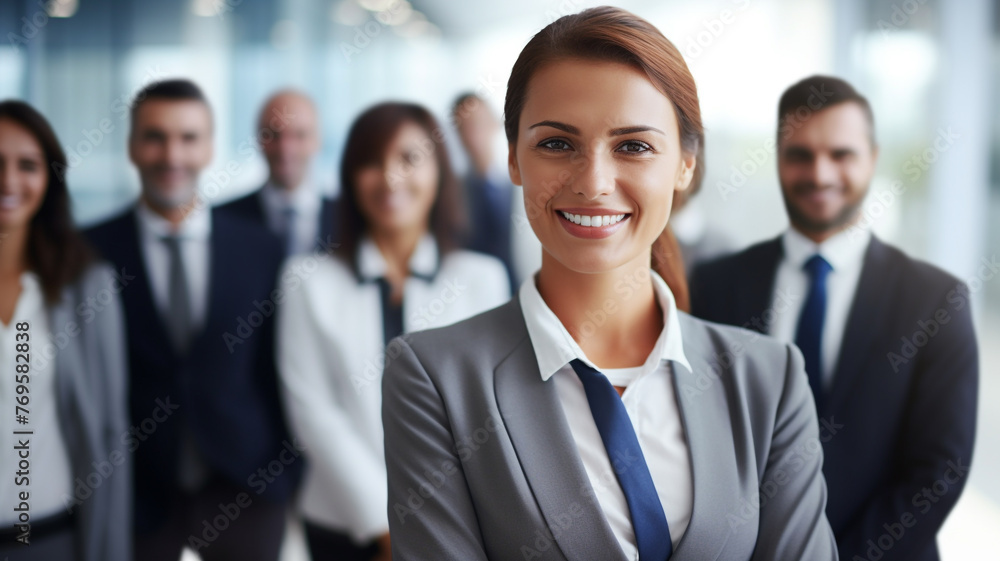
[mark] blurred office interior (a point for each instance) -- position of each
(926, 65)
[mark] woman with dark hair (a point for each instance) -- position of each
(397, 270)
(588, 418)
(63, 364)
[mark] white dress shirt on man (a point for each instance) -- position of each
(845, 252)
(195, 232)
(306, 200)
(331, 354)
(50, 477)
(649, 399)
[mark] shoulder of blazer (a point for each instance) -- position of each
(756, 364)
(234, 231)
(765, 252)
(923, 276)
(247, 205)
(490, 337)
(105, 234)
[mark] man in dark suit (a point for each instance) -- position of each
(214, 465)
(888, 340)
(289, 204)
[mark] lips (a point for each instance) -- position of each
(592, 223)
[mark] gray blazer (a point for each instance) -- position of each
(91, 389)
(482, 464)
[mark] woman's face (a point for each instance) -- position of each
(24, 176)
(597, 144)
(397, 195)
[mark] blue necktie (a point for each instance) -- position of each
(809, 334)
(652, 534)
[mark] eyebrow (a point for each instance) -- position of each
(614, 132)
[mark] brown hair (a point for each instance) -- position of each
(814, 94)
(369, 136)
(177, 89)
(56, 251)
(615, 35)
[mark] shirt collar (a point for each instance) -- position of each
(305, 199)
(555, 347)
(843, 249)
(197, 225)
(423, 263)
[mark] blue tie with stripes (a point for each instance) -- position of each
(652, 534)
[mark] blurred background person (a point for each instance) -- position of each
(290, 204)
(59, 308)
(200, 347)
(498, 225)
(888, 340)
(398, 270)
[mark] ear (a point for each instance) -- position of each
(512, 167)
(686, 172)
(131, 147)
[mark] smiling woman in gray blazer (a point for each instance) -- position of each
(62, 356)
(587, 418)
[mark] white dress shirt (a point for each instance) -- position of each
(649, 399)
(195, 232)
(306, 200)
(331, 354)
(845, 252)
(50, 478)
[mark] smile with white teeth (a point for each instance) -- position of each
(593, 221)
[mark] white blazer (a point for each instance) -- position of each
(331, 354)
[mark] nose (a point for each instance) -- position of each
(595, 176)
(824, 171)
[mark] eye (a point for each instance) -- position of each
(555, 145)
(28, 165)
(634, 147)
(411, 157)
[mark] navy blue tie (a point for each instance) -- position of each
(809, 334)
(652, 534)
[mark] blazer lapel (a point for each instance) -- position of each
(710, 441)
(545, 448)
(868, 313)
(138, 298)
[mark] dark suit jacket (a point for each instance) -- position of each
(251, 208)
(225, 389)
(898, 424)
